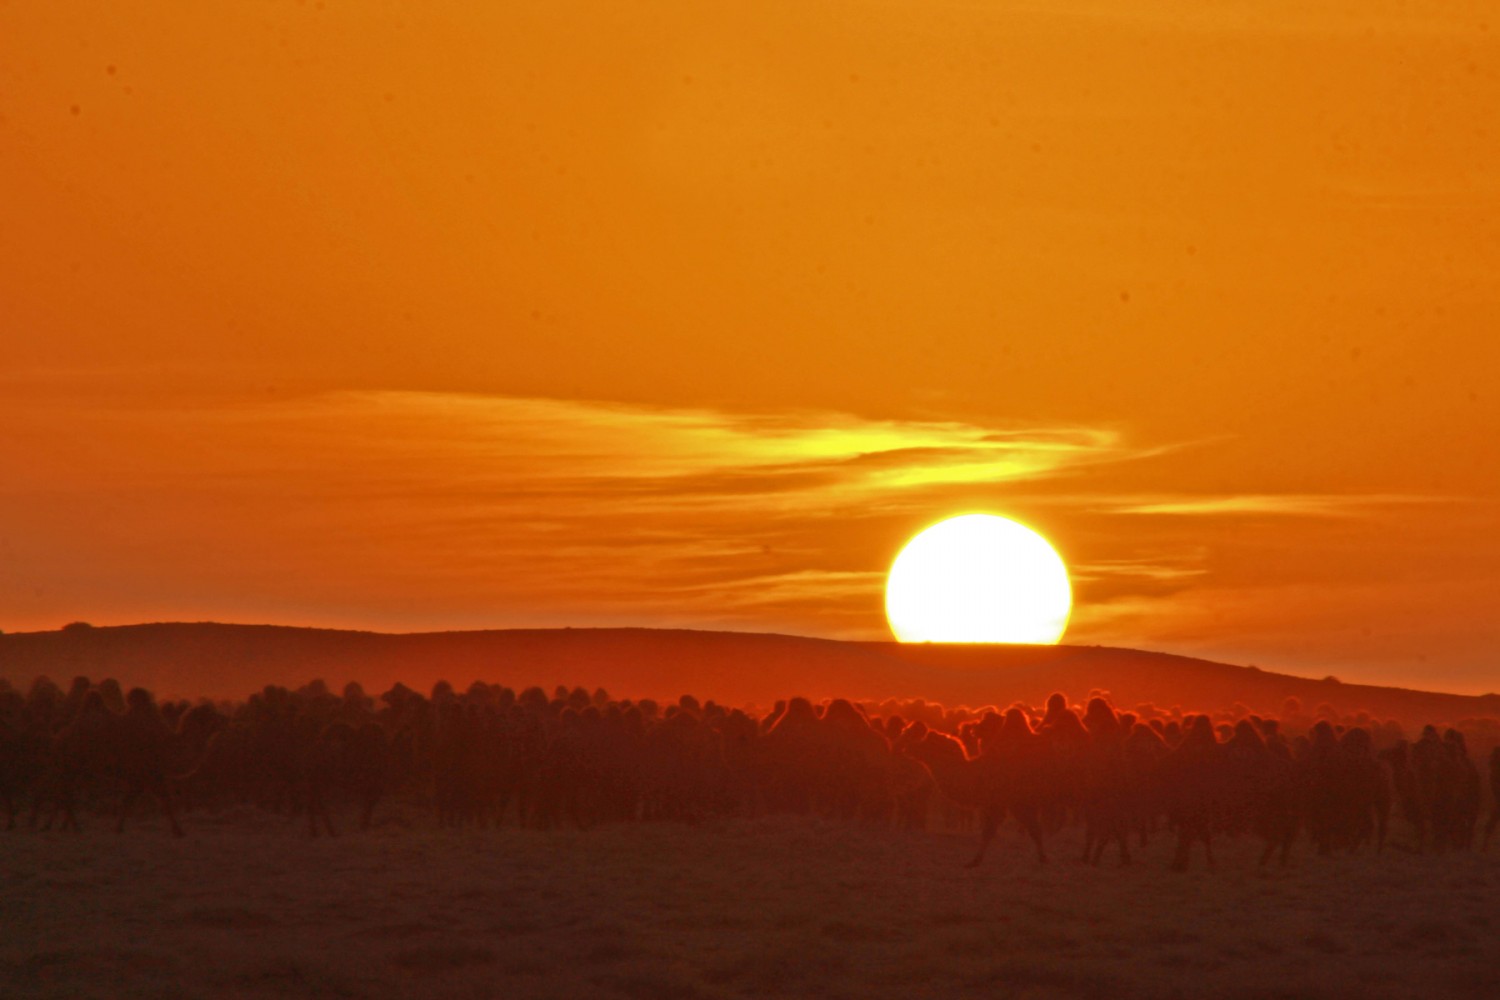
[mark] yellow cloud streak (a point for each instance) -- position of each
(610, 440)
(437, 509)
(1293, 504)
(425, 501)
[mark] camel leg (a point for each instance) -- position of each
(1031, 822)
(1184, 849)
(1208, 847)
(1489, 828)
(575, 812)
(164, 796)
(317, 808)
(326, 816)
(70, 818)
(986, 834)
(1113, 832)
(131, 794)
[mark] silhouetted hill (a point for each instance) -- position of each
(733, 667)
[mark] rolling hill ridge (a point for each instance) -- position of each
(737, 668)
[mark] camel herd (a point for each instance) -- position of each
(488, 756)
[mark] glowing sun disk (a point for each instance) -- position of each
(978, 578)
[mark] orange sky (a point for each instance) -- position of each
(470, 314)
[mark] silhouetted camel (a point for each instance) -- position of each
(1366, 794)
(354, 758)
(1467, 798)
(1404, 789)
(1193, 789)
(1107, 787)
(1346, 792)
(581, 758)
(792, 752)
(1067, 743)
(1260, 791)
(135, 749)
(21, 752)
(282, 754)
(858, 762)
(1143, 752)
(1008, 777)
(1439, 782)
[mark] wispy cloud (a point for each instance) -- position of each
(686, 514)
(519, 505)
(690, 454)
(1287, 504)
(1144, 569)
(432, 510)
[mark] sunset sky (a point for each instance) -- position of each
(413, 316)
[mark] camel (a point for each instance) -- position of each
(357, 758)
(460, 760)
(1022, 774)
(1366, 790)
(136, 749)
(1346, 798)
(1467, 797)
(1192, 777)
(1143, 751)
(1260, 791)
(619, 742)
(859, 762)
(912, 785)
(1439, 781)
(793, 759)
(280, 753)
(681, 758)
(1317, 764)
(1105, 787)
(20, 754)
(1402, 778)
(739, 739)
(1008, 777)
(1068, 749)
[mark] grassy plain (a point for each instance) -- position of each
(245, 906)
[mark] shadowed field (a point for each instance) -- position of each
(246, 906)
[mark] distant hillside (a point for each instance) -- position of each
(736, 668)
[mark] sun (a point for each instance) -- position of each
(978, 578)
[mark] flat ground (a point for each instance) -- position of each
(246, 906)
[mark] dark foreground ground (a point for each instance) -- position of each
(246, 907)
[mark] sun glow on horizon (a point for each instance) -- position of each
(978, 578)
